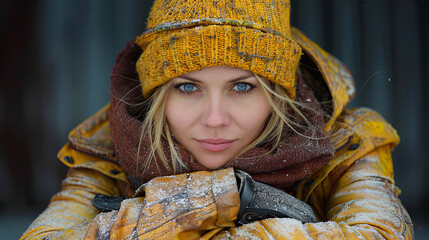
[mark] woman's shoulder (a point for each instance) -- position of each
(90, 146)
(370, 126)
(93, 135)
(365, 131)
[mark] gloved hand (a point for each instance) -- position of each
(260, 201)
(183, 206)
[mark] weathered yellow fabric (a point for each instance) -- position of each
(180, 206)
(188, 35)
(354, 197)
(362, 204)
(370, 131)
(70, 210)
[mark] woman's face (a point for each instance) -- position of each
(216, 112)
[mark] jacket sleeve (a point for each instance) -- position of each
(362, 204)
(184, 206)
(71, 210)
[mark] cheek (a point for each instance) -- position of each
(254, 120)
(173, 118)
(179, 116)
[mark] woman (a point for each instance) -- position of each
(234, 119)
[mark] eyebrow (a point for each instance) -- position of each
(230, 81)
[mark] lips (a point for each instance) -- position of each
(215, 145)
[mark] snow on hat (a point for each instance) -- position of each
(188, 35)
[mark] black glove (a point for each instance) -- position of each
(260, 201)
(106, 203)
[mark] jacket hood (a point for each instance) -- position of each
(334, 73)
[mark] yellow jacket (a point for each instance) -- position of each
(353, 196)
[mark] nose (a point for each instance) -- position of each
(215, 112)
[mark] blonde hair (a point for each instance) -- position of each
(155, 125)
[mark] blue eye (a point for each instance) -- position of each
(187, 88)
(242, 87)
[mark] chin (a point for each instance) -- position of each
(214, 163)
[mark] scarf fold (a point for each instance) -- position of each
(296, 157)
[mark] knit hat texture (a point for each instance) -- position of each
(188, 35)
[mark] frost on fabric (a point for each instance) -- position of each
(365, 228)
(273, 229)
(190, 186)
(163, 188)
(246, 232)
(186, 192)
(362, 193)
(359, 207)
(104, 222)
(177, 193)
(222, 182)
(197, 187)
(286, 227)
(132, 206)
(168, 200)
(366, 196)
(378, 211)
(56, 215)
(327, 230)
(57, 218)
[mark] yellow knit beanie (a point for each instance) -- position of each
(188, 35)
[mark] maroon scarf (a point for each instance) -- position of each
(296, 157)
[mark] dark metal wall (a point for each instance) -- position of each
(384, 43)
(57, 55)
